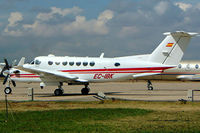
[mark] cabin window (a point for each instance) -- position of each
(50, 62)
(57, 63)
(179, 66)
(64, 63)
(117, 64)
(71, 63)
(92, 63)
(78, 63)
(188, 66)
(197, 66)
(85, 63)
(37, 62)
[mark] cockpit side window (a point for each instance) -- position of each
(37, 62)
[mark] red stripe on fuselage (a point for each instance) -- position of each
(25, 76)
(117, 72)
(116, 69)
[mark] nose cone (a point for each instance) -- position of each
(6, 72)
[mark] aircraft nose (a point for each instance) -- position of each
(6, 72)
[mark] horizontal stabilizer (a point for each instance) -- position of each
(144, 75)
(189, 77)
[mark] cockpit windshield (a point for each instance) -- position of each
(32, 62)
(36, 62)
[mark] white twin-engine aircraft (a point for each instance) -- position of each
(55, 70)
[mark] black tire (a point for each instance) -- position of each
(7, 90)
(150, 88)
(58, 92)
(85, 91)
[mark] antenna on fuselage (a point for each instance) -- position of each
(102, 55)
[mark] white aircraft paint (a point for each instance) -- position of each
(56, 70)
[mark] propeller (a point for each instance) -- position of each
(6, 79)
(6, 69)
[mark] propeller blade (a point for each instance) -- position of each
(13, 82)
(7, 68)
(5, 80)
(7, 65)
(4, 68)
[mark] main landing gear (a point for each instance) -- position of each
(149, 85)
(85, 90)
(59, 91)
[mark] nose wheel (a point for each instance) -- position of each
(7, 90)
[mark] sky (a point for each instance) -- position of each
(31, 28)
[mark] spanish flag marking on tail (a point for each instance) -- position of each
(169, 44)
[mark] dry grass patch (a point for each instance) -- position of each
(157, 106)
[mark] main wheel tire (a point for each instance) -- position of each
(58, 92)
(7, 90)
(150, 88)
(85, 91)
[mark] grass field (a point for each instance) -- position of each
(108, 116)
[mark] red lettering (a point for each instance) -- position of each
(95, 76)
(105, 76)
(99, 76)
(111, 76)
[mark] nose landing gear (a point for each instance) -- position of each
(7, 90)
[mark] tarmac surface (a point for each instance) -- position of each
(163, 91)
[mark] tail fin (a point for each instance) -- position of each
(171, 49)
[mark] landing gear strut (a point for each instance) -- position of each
(149, 85)
(59, 91)
(85, 90)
